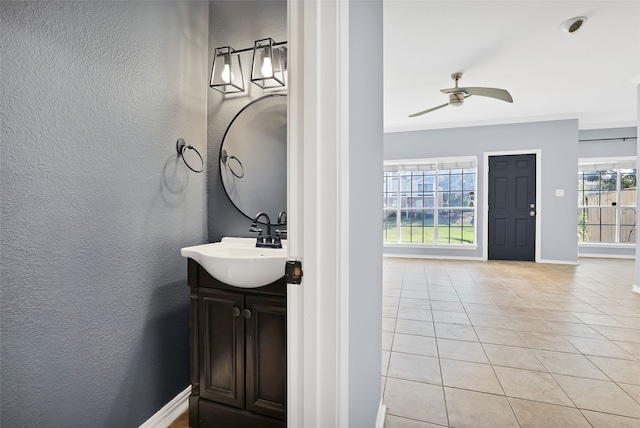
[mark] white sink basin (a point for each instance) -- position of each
(237, 261)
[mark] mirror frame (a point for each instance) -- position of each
(274, 222)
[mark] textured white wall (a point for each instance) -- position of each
(96, 206)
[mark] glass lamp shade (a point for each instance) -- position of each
(226, 72)
(267, 70)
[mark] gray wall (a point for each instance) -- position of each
(237, 24)
(365, 228)
(636, 286)
(603, 148)
(607, 252)
(558, 141)
(96, 206)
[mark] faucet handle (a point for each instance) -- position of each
(254, 228)
(277, 241)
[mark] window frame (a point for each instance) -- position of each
(612, 164)
(436, 165)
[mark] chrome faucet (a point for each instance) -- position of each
(265, 241)
(282, 217)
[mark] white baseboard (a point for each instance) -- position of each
(636, 289)
(432, 257)
(170, 412)
(607, 256)
(382, 411)
(558, 262)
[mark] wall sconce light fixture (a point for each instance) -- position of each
(226, 72)
(267, 68)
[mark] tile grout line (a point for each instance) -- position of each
(444, 395)
(491, 365)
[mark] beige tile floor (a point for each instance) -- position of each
(510, 344)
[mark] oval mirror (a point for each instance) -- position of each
(253, 157)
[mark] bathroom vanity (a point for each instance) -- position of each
(238, 319)
(238, 353)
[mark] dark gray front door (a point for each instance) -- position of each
(512, 209)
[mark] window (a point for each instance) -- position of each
(607, 201)
(430, 202)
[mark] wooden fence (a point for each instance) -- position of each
(601, 222)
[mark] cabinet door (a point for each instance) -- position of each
(266, 383)
(222, 347)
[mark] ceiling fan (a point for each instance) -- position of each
(457, 95)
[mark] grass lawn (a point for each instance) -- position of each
(424, 233)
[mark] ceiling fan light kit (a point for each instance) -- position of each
(458, 94)
(456, 99)
(574, 24)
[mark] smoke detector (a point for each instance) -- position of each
(574, 24)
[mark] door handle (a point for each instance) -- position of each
(532, 206)
(246, 314)
(532, 213)
(235, 311)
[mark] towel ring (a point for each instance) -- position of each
(181, 146)
(226, 157)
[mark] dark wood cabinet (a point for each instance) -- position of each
(266, 350)
(222, 347)
(238, 353)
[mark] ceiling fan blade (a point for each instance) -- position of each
(500, 94)
(428, 111)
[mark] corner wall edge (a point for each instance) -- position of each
(382, 411)
(170, 411)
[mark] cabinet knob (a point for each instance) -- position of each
(246, 313)
(235, 311)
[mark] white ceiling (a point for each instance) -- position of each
(516, 45)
